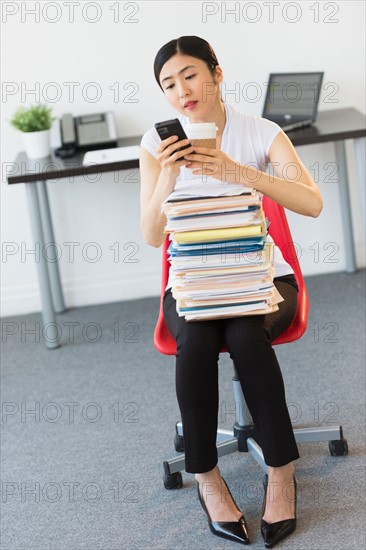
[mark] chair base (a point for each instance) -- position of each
(228, 443)
(242, 438)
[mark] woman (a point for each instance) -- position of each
(189, 75)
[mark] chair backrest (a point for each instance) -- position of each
(280, 233)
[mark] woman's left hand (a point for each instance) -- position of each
(216, 164)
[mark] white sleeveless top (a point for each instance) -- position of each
(247, 139)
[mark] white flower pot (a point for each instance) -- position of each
(37, 144)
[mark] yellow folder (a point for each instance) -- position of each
(210, 235)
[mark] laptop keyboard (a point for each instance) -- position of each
(286, 127)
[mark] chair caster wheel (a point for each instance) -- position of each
(179, 443)
(173, 481)
(338, 447)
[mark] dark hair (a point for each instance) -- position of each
(186, 45)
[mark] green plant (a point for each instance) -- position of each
(34, 119)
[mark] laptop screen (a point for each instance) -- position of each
(292, 95)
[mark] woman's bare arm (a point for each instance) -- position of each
(155, 188)
(292, 186)
(158, 177)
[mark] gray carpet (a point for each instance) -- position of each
(84, 469)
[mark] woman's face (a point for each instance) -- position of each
(190, 87)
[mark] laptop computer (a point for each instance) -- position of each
(292, 99)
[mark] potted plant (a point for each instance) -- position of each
(34, 123)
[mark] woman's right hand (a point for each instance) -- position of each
(169, 158)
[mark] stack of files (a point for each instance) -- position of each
(222, 264)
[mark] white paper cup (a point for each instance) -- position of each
(202, 134)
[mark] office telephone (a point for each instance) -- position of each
(86, 133)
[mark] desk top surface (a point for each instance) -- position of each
(332, 125)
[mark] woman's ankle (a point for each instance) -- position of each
(281, 472)
(211, 475)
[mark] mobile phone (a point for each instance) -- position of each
(169, 128)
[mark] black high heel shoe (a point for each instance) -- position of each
(272, 533)
(233, 530)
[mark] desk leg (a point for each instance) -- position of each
(53, 266)
(48, 314)
(360, 146)
(345, 207)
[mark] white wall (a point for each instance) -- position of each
(115, 54)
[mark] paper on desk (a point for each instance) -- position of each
(117, 154)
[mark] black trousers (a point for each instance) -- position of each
(249, 340)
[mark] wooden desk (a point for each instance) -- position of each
(335, 125)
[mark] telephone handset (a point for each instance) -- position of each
(86, 132)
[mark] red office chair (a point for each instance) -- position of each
(243, 436)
